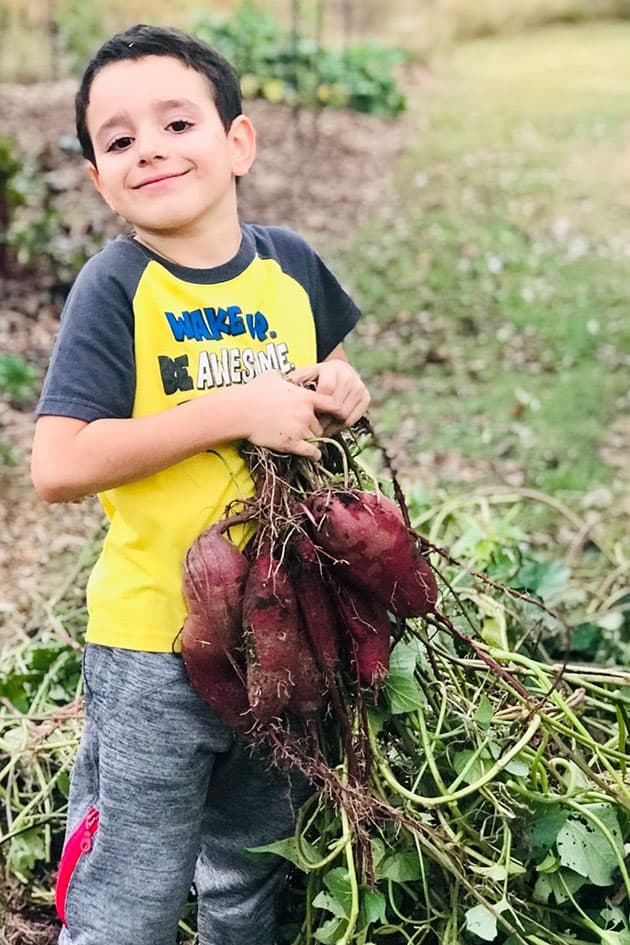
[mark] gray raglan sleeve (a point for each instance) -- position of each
(91, 374)
(334, 311)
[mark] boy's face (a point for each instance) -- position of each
(164, 161)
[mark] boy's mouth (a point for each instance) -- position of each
(157, 179)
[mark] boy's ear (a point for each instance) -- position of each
(242, 136)
(92, 171)
(96, 180)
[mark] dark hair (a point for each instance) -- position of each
(140, 41)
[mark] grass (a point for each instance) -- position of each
(497, 280)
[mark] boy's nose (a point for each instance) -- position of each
(149, 149)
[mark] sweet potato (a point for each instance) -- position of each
(211, 638)
(319, 618)
(375, 550)
(213, 676)
(214, 582)
(309, 689)
(270, 618)
(367, 624)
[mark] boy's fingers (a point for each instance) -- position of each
(356, 414)
(325, 403)
(304, 375)
(308, 450)
(348, 411)
(316, 427)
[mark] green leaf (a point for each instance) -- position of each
(493, 632)
(63, 783)
(378, 715)
(546, 823)
(585, 639)
(467, 540)
(288, 849)
(378, 850)
(584, 848)
(337, 900)
(337, 882)
(616, 938)
(401, 867)
(573, 776)
(58, 694)
(15, 688)
(374, 906)
(614, 916)
(324, 900)
(14, 740)
(483, 715)
(25, 851)
(403, 694)
(544, 578)
(330, 932)
(404, 658)
(477, 769)
(401, 687)
(501, 871)
(550, 864)
(558, 884)
(517, 767)
(482, 923)
(42, 657)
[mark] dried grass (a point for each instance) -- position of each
(28, 41)
(428, 27)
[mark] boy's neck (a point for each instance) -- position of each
(195, 250)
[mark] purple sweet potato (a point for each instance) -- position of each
(215, 572)
(270, 620)
(214, 582)
(213, 676)
(319, 618)
(309, 688)
(375, 550)
(367, 625)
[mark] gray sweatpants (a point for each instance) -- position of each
(179, 799)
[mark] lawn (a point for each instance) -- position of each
(495, 283)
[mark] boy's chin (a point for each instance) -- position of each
(164, 226)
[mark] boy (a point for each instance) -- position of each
(176, 344)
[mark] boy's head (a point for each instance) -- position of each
(160, 122)
(141, 41)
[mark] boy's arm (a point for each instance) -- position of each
(72, 458)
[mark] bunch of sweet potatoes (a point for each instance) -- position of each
(269, 630)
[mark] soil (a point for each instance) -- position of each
(319, 173)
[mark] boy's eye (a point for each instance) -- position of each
(120, 143)
(179, 125)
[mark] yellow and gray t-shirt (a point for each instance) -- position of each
(139, 335)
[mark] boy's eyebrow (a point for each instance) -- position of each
(175, 103)
(123, 117)
(120, 118)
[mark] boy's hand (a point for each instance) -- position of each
(285, 416)
(336, 378)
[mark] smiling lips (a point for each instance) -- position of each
(158, 180)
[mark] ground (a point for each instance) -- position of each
(321, 174)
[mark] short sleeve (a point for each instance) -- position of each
(91, 374)
(334, 311)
